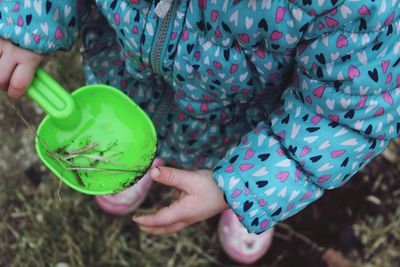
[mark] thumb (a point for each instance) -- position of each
(171, 177)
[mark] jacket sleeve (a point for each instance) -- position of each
(41, 26)
(340, 111)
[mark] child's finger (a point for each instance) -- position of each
(20, 80)
(7, 67)
(166, 230)
(163, 217)
(172, 177)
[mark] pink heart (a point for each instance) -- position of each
(262, 202)
(316, 119)
(214, 15)
(58, 34)
(307, 195)
(305, 151)
(364, 10)
(323, 178)
(280, 14)
(362, 102)
(353, 72)
(117, 18)
(385, 64)
(319, 91)
(337, 153)
(379, 112)
(264, 224)
(282, 176)
(236, 193)
(244, 37)
(331, 22)
(341, 41)
(276, 35)
(234, 68)
(246, 166)
(249, 154)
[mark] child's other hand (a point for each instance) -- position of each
(17, 68)
(199, 200)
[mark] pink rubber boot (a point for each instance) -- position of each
(241, 246)
(128, 200)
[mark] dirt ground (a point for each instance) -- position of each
(357, 225)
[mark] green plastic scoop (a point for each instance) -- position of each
(96, 140)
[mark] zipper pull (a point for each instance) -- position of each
(162, 8)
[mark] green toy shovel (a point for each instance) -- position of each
(96, 140)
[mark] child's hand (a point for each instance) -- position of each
(200, 199)
(17, 68)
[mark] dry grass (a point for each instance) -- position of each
(360, 220)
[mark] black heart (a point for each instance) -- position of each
(316, 158)
(189, 48)
(263, 157)
(312, 129)
(261, 184)
(263, 24)
(254, 222)
(349, 114)
(277, 212)
(344, 163)
(320, 58)
(48, 6)
(247, 205)
(233, 159)
(28, 18)
(373, 74)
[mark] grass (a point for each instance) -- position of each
(357, 224)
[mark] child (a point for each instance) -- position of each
(275, 101)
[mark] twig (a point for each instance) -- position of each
(301, 237)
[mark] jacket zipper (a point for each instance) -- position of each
(155, 59)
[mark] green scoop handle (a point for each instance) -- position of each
(54, 100)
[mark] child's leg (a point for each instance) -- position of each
(241, 246)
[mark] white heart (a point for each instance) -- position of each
(45, 28)
(273, 206)
(67, 11)
(266, 4)
(284, 163)
(311, 139)
(261, 172)
(350, 142)
(290, 39)
(249, 22)
(37, 4)
(272, 142)
(324, 145)
(345, 11)
(362, 57)
(221, 182)
(282, 193)
(295, 130)
(270, 191)
(361, 148)
(233, 182)
(372, 105)
(293, 195)
(330, 103)
(297, 13)
(261, 139)
(345, 102)
(340, 132)
(234, 17)
(325, 167)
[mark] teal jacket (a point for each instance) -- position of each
(282, 99)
